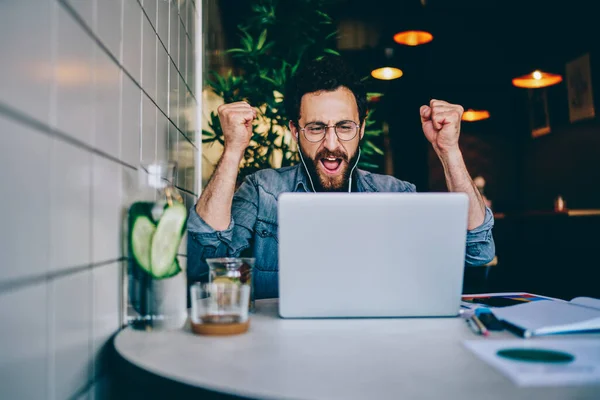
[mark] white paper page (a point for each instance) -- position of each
(584, 369)
(587, 301)
(542, 314)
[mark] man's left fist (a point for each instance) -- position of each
(441, 125)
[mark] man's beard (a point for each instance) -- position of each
(326, 183)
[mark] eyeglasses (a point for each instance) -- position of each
(316, 131)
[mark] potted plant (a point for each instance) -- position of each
(274, 39)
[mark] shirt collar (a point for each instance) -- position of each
(301, 182)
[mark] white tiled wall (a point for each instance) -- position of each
(88, 89)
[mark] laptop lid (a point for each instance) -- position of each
(371, 254)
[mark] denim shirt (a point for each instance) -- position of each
(253, 227)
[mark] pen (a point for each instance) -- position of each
(484, 331)
(473, 326)
(524, 333)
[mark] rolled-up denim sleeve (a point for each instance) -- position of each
(205, 242)
(480, 242)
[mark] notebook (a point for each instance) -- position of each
(536, 318)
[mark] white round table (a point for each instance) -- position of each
(411, 358)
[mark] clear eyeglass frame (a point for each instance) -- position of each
(319, 131)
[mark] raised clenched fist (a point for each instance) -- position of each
(236, 122)
(441, 124)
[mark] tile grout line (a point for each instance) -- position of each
(121, 278)
(16, 284)
(42, 127)
(90, 278)
(186, 191)
(50, 340)
(156, 40)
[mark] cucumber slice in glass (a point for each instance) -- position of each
(166, 239)
(174, 270)
(141, 241)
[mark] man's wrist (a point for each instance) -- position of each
(450, 156)
(232, 155)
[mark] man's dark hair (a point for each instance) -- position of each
(326, 74)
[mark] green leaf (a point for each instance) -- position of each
(261, 40)
(267, 47)
(368, 165)
(266, 78)
(322, 14)
(374, 132)
(236, 51)
(208, 134)
(332, 34)
(331, 51)
(376, 149)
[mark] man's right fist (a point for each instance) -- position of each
(236, 122)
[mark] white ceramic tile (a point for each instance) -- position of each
(191, 14)
(85, 9)
(24, 177)
(148, 130)
(162, 22)
(72, 296)
(106, 210)
(162, 79)
(183, 11)
(106, 95)
(174, 33)
(172, 148)
(73, 75)
(24, 348)
(192, 126)
(190, 172)
(162, 136)
(173, 92)
(69, 206)
(149, 41)
(129, 190)
(150, 8)
(26, 75)
(191, 65)
(106, 284)
(182, 120)
(182, 50)
(132, 38)
(108, 25)
(185, 161)
(130, 122)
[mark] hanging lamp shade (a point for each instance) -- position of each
(475, 115)
(413, 37)
(413, 27)
(537, 79)
(387, 73)
(385, 69)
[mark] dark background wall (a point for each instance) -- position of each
(478, 47)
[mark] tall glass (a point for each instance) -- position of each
(155, 224)
(232, 270)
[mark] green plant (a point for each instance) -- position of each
(275, 38)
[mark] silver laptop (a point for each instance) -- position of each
(371, 254)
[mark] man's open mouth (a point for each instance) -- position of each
(331, 165)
